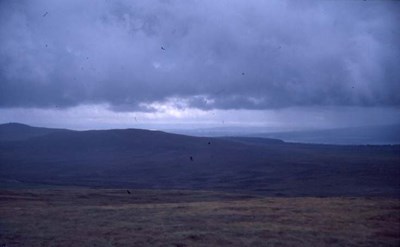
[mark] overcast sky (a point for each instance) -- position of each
(199, 63)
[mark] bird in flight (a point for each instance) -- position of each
(44, 15)
(162, 48)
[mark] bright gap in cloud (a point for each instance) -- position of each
(171, 115)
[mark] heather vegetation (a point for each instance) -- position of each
(102, 217)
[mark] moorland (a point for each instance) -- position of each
(150, 188)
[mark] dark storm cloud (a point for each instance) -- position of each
(209, 54)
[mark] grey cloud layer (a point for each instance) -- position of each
(291, 53)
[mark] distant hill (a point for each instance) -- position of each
(153, 159)
(17, 131)
(253, 140)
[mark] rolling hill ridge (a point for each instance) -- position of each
(153, 159)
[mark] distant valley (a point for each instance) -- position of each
(374, 135)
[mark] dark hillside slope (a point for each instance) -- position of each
(154, 159)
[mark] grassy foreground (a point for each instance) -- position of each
(92, 217)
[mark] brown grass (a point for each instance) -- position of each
(89, 217)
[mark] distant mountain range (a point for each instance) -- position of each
(138, 158)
